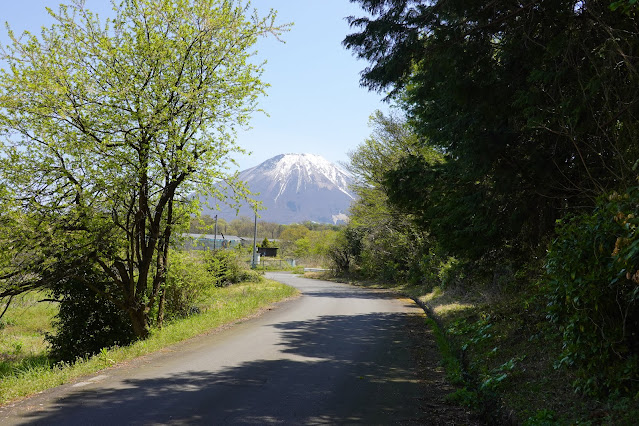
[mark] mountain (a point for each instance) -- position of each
(295, 188)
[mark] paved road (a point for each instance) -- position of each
(335, 355)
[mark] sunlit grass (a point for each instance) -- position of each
(228, 304)
(443, 304)
(451, 308)
(22, 329)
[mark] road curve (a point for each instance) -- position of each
(336, 355)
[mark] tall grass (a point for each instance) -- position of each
(22, 330)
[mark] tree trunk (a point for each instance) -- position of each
(140, 322)
(161, 307)
(163, 263)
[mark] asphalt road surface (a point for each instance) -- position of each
(336, 355)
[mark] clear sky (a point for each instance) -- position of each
(315, 101)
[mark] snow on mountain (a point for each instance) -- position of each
(301, 171)
(296, 188)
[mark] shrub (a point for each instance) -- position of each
(226, 268)
(187, 283)
(249, 275)
(345, 250)
(593, 271)
(86, 322)
(193, 274)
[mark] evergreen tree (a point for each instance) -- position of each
(534, 105)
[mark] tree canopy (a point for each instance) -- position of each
(534, 107)
(534, 104)
(109, 126)
(381, 241)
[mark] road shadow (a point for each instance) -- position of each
(344, 337)
(347, 293)
(352, 369)
(320, 288)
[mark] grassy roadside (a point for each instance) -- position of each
(500, 353)
(32, 373)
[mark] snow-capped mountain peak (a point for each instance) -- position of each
(297, 172)
(300, 187)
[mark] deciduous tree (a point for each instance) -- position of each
(111, 125)
(387, 243)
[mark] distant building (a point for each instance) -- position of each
(210, 241)
(267, 251)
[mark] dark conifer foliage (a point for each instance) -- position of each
(535, 105)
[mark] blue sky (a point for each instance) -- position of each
(315, 101)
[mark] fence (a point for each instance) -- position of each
(273, 263)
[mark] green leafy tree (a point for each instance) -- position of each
(205, 224)
(593, 294)
(243, 227)
(290, 235)
(345, 252)
(272, 230)
(111, 125)
(534, 105)
(320, 242)
(390, 245)
(302, 247)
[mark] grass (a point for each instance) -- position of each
(26, 375)
(508, 352)
(22, 330)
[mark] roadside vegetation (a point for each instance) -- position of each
(308, 243)
(107, 129)
(27, 364)
(502, 194)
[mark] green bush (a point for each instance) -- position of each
(193, 274)
(593, 271)
(345, 250)
(404, 255)
(187, 283)
(226, 267)
(86, 322)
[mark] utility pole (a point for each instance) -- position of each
(255, 242)
(215, 235)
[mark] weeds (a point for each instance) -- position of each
(450, 361)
